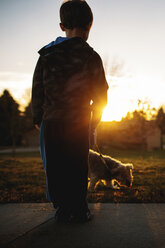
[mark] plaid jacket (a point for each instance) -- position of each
(66, 78)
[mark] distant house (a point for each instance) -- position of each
(31, 138)
(153, 136)
(163, 141)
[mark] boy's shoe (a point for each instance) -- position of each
(82, 217)
(61, 216)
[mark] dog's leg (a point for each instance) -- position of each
(113, 185)
(110, 184)
(93, 181)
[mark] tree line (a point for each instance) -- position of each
(14, 123)
(142, 129)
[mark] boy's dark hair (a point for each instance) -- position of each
(75, 14)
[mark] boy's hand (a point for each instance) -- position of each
(37, 127)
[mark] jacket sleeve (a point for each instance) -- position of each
(37, 93)
(99, 88)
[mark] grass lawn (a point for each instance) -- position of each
(22, 179)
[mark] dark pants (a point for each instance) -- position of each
(66, 147)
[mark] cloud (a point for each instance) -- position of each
(12, 78)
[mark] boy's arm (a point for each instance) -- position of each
(37, 94)
(99, 91)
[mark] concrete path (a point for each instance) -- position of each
(114, 225)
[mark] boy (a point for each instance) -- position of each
(68, 75)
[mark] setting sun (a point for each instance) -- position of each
(115, 110)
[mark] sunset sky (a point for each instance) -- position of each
(128, 33)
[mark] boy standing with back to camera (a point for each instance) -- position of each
(68, 75)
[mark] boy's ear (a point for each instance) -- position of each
(89, 26)
(62, 27)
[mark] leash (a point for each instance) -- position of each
(93, 140)
(101, 156)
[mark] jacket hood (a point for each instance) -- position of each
(65, 45)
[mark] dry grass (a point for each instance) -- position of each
(22, 179)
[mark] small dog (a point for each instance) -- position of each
(111, 171)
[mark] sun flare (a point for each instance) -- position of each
(124, 94)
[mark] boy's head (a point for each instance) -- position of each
(76, 14)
